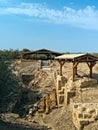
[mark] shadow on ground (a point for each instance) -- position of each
(10, 126)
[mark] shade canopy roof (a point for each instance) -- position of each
(77, 57)
(43, 51)
(42, 54)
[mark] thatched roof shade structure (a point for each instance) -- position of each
(49, 53)
(76, 59)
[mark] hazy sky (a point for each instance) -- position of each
(58, 25)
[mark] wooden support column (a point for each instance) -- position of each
(90, 72)
(61, 62)
(75, 69)
(91, 65)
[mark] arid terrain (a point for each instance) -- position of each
(35, 83)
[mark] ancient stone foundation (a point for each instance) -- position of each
(63, 91)
(84, 114)
(48, 102)
(60, 90)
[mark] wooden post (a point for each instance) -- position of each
(90, 71)
(91, 65)
(73, 74)
(61, 62)
(75, 69)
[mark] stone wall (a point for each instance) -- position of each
(64, 91)
(60, 90)
(85, 82)
(69, 92)
(84, 114)
(84, 106)
(48, 102)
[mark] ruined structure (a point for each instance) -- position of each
(81, 96)
(79, 93)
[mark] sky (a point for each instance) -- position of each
(57, 25)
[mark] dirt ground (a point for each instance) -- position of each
(58, 119)
(12, 121)
(9, 126)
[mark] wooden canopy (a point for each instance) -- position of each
(49, 53)
(76, 59)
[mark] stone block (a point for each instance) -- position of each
(59, 85)
(96, 118)
(86, 82)
(62, 91)
(91, 120)
(81, 109)
(68, 96)
(52, 96)
(41, 106)
(87, 115)
(96, 112)
(84, 122)
(75, 105)
(90, 110)
(61, 99)
(61, 80)
(80, 115)
(41, 110)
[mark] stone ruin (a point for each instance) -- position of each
(44, 105)
(64, 91)
(80, 95)
(47, 103)
(84, 114)
(84, 110)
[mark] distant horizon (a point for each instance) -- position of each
(44, 48)
(63, 25)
